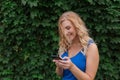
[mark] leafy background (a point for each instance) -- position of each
(29, 36)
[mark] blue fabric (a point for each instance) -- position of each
(79, 60)
(90, 41)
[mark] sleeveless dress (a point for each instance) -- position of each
(79, 60)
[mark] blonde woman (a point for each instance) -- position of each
(79, 53)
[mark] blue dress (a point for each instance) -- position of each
(79, 60)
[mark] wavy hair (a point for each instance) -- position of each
(82, 31)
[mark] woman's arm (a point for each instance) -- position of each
(92, 61)
(59, 70)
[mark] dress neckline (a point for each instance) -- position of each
(80, 52)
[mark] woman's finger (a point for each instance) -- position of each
(66, 58)
(63, 61)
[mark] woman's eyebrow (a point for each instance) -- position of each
(67, 26)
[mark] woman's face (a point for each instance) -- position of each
(69, 31)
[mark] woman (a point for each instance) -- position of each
(79, 53)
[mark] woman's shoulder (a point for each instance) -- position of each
(92, 49)
(90, 41)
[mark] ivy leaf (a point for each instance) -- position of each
(24, 2)
(34, 13)
(90, 1)
(33, 3)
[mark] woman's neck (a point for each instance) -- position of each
(74, 49)
(75, 44)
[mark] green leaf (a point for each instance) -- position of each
(24, 2)
(33, 3)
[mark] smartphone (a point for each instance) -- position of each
(56, 57)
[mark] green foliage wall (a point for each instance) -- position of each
(29, 35)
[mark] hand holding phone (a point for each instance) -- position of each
(56, 57)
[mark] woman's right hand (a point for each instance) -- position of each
(57, 63)
(59, 69)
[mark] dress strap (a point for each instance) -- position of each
(85, 49)
(90, 42)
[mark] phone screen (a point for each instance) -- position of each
(56, 57)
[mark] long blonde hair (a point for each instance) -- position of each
(80, 28)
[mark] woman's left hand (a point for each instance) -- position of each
(66, 63)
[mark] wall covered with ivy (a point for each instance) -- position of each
(29, 36)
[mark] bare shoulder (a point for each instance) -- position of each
(92, 50)
(92, 60)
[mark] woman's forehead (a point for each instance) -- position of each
(66, 23)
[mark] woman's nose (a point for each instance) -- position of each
(68, 33)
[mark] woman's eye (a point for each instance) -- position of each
(67, 27)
